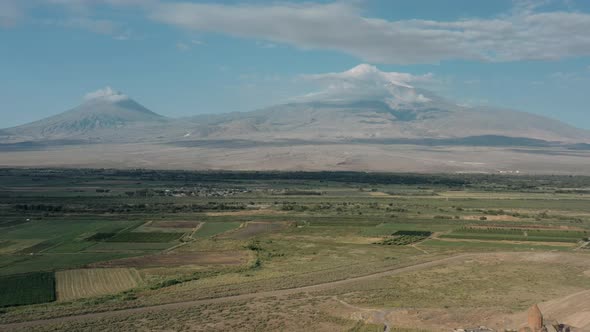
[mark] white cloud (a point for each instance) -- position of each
(182, 46)
(525, 32)
(368, 82)
(76, 14)
(521, 35)
(265, 44)
(107, 93)
(11, 12)
(124, 35)
(105, 27)
(185, 46)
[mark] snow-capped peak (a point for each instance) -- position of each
(366, 81)
(370, 72)
(107, 93)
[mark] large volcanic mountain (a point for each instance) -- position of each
(389, 126)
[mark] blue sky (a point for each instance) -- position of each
(181, 58)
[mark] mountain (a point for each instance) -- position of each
(365, 119)
(383, 126)
(388, 110)
(365, 103)
(98, 117)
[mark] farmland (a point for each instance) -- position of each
(252, 229)
(27, 289)
(144, 237)
(84, 283)
(402, 238)
(285, 251)
(211, 229)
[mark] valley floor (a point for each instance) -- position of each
(312, 156)
(127, 250)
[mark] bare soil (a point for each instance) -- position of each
(254, 228)
(572, 309)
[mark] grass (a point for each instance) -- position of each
(513, 283)
(59, 228)
(127, 246)
(100, 236)
(501, 234)
(70, 247)
(5, 244)
(210, 229)
(490, 246)
(52, 262)
(145, 237)
(26, 289)
(83, 283)
(37, 248)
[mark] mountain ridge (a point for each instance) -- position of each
(310, 136)
(360, 119)
(316, 120)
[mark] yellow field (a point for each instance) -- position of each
(76, 284)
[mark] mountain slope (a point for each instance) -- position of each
(99, 116)
(376, 119)
(386, 110)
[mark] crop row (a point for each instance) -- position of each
(26, 289)
(403, 240)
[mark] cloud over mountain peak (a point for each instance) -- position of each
(368, 82)
(106, 93)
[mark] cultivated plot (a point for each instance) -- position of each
(82, 283)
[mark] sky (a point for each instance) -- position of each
(183, 58)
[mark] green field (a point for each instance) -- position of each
(266, 234)
(39, 247)
(27, 289)
(52, 262)
(405, 237)
(128, 246)
(70, 247)
(145, 237)
(215, 228)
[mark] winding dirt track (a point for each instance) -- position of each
(187, 304)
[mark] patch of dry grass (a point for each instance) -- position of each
(83, 283)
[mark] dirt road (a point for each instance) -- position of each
(181, 305)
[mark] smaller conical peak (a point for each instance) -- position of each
(106, 94)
